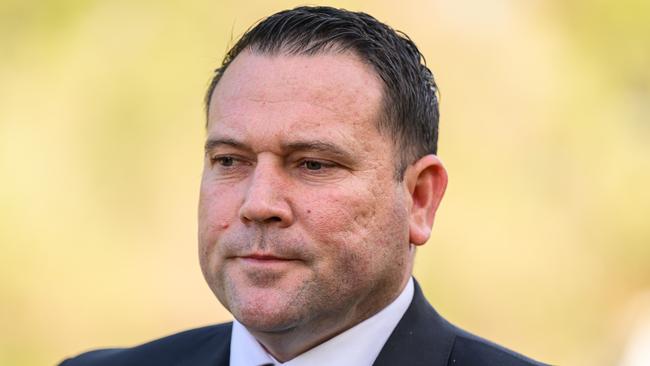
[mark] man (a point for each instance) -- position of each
(320, 179)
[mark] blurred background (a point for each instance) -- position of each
(542, 242)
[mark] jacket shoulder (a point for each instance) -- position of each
(424, 338)
(470, 350)
(198, 346)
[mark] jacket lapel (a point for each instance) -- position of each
(422, 337)
(214, 349)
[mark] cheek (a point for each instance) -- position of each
(341, 222)
(217, 210)
(367, 224)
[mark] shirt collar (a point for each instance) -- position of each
(358, 346)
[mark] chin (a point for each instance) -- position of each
(265, 310)
(266, 320)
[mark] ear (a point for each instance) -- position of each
(426, 181)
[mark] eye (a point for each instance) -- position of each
(227, 162)
(224, 160)
(317, 165)
(313, 165)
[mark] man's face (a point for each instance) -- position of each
(301, 222)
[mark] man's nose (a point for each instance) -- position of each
(265, 199)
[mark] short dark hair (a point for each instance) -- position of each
(410, 93)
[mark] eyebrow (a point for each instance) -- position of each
(315, 146)
(212, 144)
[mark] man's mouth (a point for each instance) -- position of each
(264, 258)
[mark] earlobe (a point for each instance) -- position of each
(426, 180)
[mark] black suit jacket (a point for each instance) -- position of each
(422, 337)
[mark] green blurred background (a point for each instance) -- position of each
(542, 242)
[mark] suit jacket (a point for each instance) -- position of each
(422, 337)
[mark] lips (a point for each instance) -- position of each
(265, 246)
(263, 257)
(265, 261)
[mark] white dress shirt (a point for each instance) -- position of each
(357, 346)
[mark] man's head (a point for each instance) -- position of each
(410, 104)
(304, 229)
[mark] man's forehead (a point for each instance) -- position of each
(337, 79)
